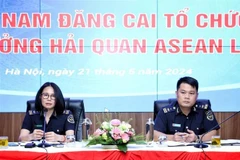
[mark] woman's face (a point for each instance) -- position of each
(48, 98)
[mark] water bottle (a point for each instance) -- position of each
(85, 128)
(149, 131)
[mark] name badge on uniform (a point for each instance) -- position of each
(38, 126)
(176, 125)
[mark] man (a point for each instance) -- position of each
(186, 120)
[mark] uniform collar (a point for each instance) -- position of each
(179, 111)
(54, 114)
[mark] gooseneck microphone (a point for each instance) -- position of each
(43, 144)
(204, 145)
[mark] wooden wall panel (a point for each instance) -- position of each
(10, 123)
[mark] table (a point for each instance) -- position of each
(134, 153)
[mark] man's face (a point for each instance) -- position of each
(186, 95)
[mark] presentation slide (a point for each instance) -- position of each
(119, 55)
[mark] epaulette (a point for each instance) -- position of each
(66, 111)
(204, 106)
(33, 112)
(168, 109)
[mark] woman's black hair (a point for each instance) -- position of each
(60, 103)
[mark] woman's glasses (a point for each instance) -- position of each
(46, 96)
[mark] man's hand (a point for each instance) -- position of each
(191, 136)
(180, 136)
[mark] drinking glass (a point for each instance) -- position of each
(216, 141)
(3, 142)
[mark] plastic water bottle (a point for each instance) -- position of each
(149, 131)
(85, 128)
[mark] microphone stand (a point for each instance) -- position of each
(201, 144)
(204, 145)
(43, 144)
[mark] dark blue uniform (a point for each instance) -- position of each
(57, 123)
(170, 119)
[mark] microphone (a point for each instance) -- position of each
(43, 144)
(204, 145)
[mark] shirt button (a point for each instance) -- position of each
(186, 127)
(187, 117)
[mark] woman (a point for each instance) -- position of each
(50, 105)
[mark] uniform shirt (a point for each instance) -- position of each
(170, 119)
(58, 124)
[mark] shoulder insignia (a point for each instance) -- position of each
(33, 112)
(169, 109)
(206, 106)
(66, 111)
(209, 115)
(202, 106)
(70, 118)
(165, 110)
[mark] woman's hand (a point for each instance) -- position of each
(37, 134)
(53, 137)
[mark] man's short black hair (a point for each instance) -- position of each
(189, 80)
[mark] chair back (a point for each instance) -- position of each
(76, 106)
(158, 104)
(31, 104)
